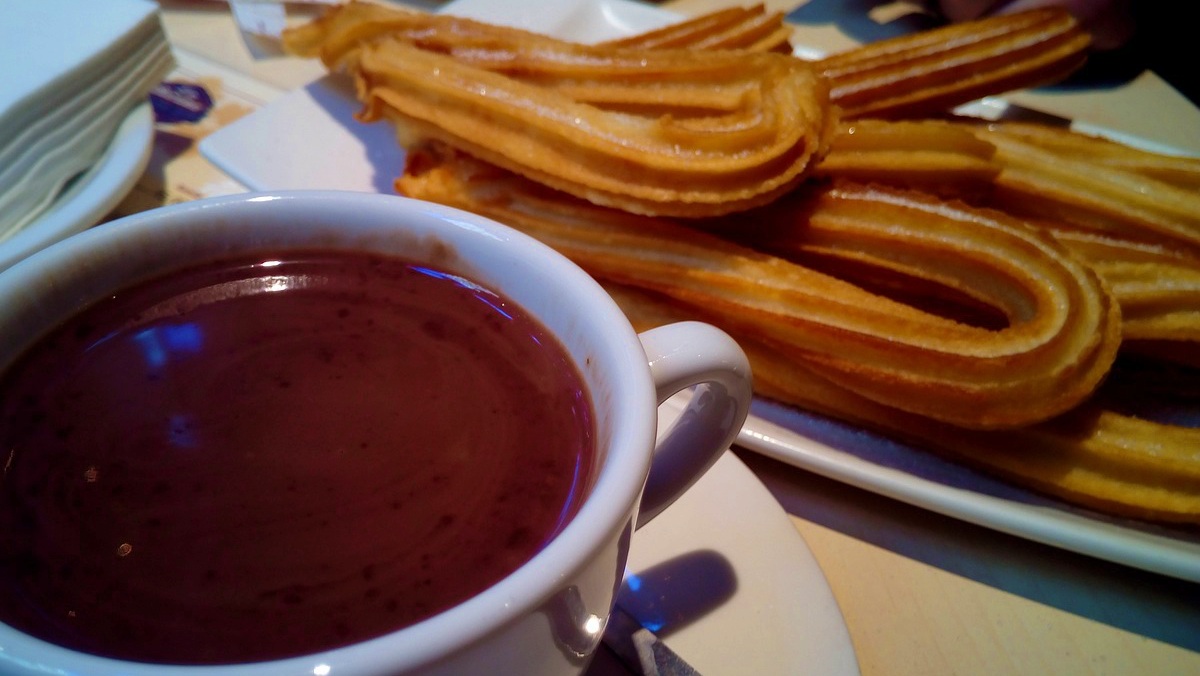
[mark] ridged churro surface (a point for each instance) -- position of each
(924, 73)
(1095, 455)
(932, 71)
(724, 131)
(1061, 328)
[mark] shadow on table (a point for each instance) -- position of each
(1155, 606)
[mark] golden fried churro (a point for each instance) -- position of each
(1160, 301)
(984, 257)
(931, 155)
(1062, 328)
(915, 75)
(1093, 455)
(336, 35)
(1156, 285)
(932, 71)
(751, 28)
(1092, 183)
(1065, 182)
(774, 123)
(1177, 170)
(1096, 457)
(1132, 214)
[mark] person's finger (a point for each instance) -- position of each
(1110, 22)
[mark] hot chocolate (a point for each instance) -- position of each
(264, 457)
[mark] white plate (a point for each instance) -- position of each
(90, 196)
(338, 152)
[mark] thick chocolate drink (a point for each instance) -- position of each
(262, 458)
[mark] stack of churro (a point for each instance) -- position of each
(933, 71)
(664, 132)
(961, 284)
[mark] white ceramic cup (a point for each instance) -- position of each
(548, 615)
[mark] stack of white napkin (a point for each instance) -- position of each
(73, 71)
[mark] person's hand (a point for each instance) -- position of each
(1109, 21)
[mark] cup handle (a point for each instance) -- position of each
(683, 355)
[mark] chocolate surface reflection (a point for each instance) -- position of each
(262, 458)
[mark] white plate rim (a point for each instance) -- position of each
(1015, 511)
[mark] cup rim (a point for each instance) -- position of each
(610, 507)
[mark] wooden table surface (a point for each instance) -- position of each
(920, 593)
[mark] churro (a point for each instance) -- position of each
(1094, 455)
(1088, 182)
(751, 28)
(921, 74)
(932, 71)
(1132, 214)
(1061, 330)
(1179, 171)
(931, 155)
(775, 122)
(1156, 285)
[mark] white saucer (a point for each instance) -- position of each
(90, 196)
(738, 587)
